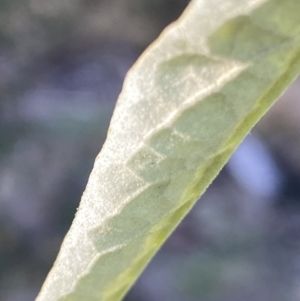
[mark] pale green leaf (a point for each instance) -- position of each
(185, 106)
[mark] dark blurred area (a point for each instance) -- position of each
(62, 63)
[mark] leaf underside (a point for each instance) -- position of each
(184, 108)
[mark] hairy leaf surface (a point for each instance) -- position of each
(185, 106)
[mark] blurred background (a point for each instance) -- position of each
(62, 63)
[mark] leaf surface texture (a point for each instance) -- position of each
(185, 106)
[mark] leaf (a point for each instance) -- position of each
(185, 106)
